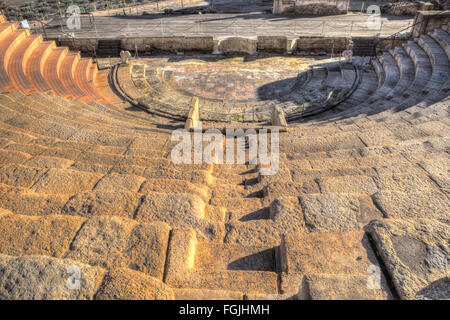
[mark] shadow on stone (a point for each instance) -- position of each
(261, 261)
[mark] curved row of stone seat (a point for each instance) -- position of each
(382, 154)
(142, 247)
(339, 177)
(407, 76)
(387, 169)
(19, 58)
(28, 64)
(34, 265)
(87, 162)
(65, 112)
(35, 66)
(312, 92)
(236, 235)
(384, 158)
(41, 123)
(340, 83)
(53, 198)
(8, 44)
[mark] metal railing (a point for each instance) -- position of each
(198, 27)
(396, 35)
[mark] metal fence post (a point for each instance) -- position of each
(332, 50)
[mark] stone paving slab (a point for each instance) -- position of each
(416, 255)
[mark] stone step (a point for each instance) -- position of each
(363, 184)
(116, 243)
(181, 271)
(391, 71)
(237, 179)
(227, 191)
(366, 88)
(406, 70)
(392, 162)
(6, 28)
(396, 239)
(443, 38)
(8, 44)
(243, 208)
(369, 169)
(44, 278)
(341, 287)
(204, 294)
(421, 61)
(35, 64)
(350, 255)
(51, 71)
(218, 256)
(243, 281)
(66, 75)
(435, 51)
(378, 68)
(83, 136)
(65, 113)
(80, 77)
(18, 59)
(61, 166)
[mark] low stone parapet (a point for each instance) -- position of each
(247, 45)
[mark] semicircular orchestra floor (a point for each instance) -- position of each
(236, 88)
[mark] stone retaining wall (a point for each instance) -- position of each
(245, 45)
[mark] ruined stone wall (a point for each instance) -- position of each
(83, 45)
(406, 8)
(428, 20)
(310, 6)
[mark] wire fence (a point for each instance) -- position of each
(104, 28)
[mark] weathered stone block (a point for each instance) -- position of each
(416, 256)
(44, 278)
(126, 284)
